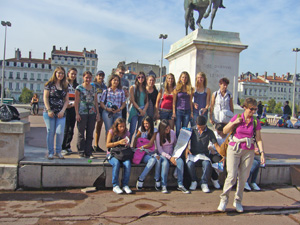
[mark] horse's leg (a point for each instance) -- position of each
(213, 14)
(201, 13)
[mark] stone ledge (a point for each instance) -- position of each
(14, 127)
(8, 176)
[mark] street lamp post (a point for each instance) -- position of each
(5, 24)
(162, 36)
(295, 79)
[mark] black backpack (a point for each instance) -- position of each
(8, 113)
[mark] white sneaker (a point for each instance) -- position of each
(183, 189)
(205, 188)
(193, 185)
(216, 184)
(139, 184)
(127, 190)
(247, 187)
(157, 185)
(164, 190)
(117, 190)
(222, 206)
(238, 207)
(255, 187)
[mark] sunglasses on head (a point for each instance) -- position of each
(253, 109)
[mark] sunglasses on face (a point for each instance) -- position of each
(141, 77)
(253, 109)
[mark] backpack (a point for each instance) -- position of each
(8, 113)
(224, 145)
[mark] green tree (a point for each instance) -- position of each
(242, 101)
(277, 108)
(26, 95)
(271, 105)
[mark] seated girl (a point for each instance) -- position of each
(117, 131)
(165, 143)
(147, 131)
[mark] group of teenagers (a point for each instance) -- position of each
(175, 105)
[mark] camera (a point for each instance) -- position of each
(113, 107)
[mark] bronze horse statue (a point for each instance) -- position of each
(200, 6)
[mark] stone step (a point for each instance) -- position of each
(78, 172)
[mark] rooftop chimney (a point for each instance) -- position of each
(30, 55)
(250, 76)
(282, 77)
(66, 49)
(18, 54)
(54, 48)
(44, 56)
(274, 76)
(256, 74)
(266, 75)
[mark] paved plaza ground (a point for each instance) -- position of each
(275, 204)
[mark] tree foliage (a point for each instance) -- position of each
(26, 95)
(271, 105)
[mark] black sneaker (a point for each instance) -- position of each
(98, 149)
(81, 155)
(69, 151)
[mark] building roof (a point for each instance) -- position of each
(29, 60)
(253, 80)
(68, 53)
(277, 79)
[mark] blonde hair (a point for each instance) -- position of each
(202, 74)
(53, 79)
(180, 85)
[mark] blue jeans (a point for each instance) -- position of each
(151, 161)
(135, 120)
(182, 119)
(108, 122)
(206, 170)
(254, 171)
(55, 126)
(165, 165)
(165, 115)
(116, 164)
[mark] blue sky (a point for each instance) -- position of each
(129, 29)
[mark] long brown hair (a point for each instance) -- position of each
(53, 79)
(166, 83)
(137, 89)
(163, 137)
(179, 86)
(115, 127)
(113, 76)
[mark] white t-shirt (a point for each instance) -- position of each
(145, 134)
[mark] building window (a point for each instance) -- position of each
(93, 71)
(24, 85)
(11, 75)
(270, 88)
(17, 87)
(31, 76)
(25, 76)
(31, 86)
(10, 86)
(38, 87)
(32, 65)
(88, 62)
(25, 64)
(93, 63)
(11, 63)
(45, 77)
(18, 75)
(39, 76)
(245, 93)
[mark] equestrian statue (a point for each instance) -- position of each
(201, 6)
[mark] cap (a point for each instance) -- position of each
(100, 72)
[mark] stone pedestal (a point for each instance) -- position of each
(12, 136)
(216, 53)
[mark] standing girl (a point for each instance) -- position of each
(112, 101)
(35, 104)
(86, 107)
(165, 142)
(152, 96)
(139, 100)
(182, 102)
(148, 131)
(164, 102)
(56, 100)
(100, 87)
(70, 112)
(119, 131)
(201, 97)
